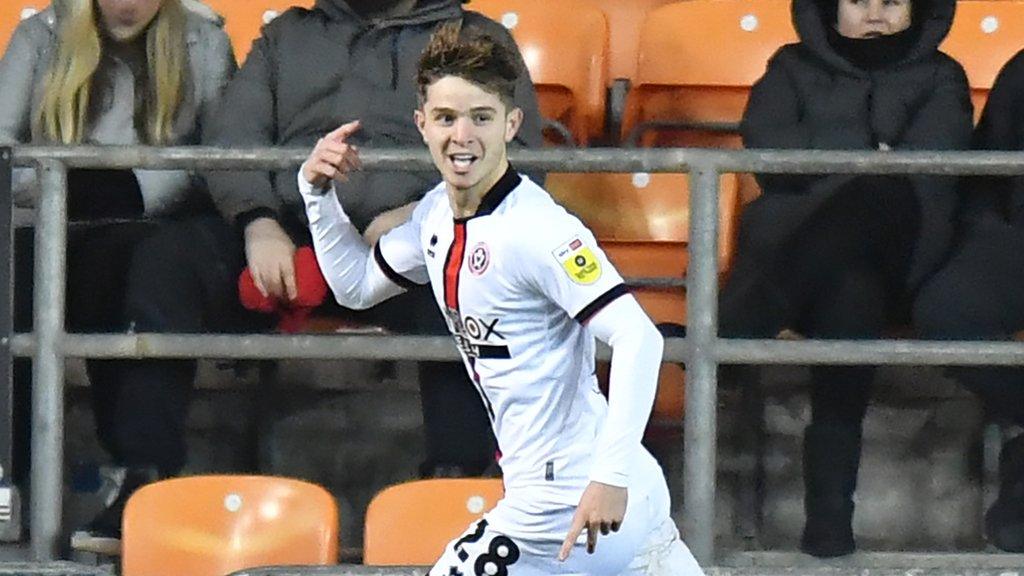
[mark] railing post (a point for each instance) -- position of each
(48, 364)
(6, 316)
(701, 369)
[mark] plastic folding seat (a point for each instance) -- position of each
(215, 525)
(642, 223)
(624, 22)
(985, 34)
(565, 46)
(243, 19)
(697, 61)
(14, 11)
(409, 524)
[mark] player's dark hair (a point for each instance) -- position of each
(474, 57)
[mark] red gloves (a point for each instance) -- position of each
(309, 282)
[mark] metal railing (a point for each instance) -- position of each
(702, 349)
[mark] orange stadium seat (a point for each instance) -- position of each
(642, 222)
(243, 19)
(624, 22)
(14, 11)
(410, 524)
(215, 525)
(565, 45)
(984, 36)
(697, 61)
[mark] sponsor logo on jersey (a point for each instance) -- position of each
(578, 261)
(473, 336)
(479, 259)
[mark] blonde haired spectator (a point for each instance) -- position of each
(113, 72)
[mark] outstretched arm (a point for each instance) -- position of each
(357, 280)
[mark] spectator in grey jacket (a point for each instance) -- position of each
(117, 72)
(311, 71)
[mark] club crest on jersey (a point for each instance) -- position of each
(578, 261)
(479, 259)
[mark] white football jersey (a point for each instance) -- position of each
(517, 283)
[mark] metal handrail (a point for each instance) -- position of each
(702, 349)
(558, 160)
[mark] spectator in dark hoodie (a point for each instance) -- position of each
(841, 256)
(979, 293)
(311, 71)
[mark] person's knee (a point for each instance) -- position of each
(167, 249)
(853, 306)
(948, 309)
(168, 281)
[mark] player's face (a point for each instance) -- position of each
(467, 130)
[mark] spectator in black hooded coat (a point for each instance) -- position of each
(840, 256)
(979, 293)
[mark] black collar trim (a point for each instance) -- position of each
(497, 194)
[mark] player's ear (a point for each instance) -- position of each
(421, 123)
(513, 121)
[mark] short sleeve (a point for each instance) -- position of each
(566, 264)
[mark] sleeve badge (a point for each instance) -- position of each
(578, 261)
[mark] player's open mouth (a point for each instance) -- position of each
(462, 162)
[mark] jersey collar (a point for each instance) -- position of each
(494, 197)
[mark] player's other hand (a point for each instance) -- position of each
(332, 158)
(270, 254)
(601, 509)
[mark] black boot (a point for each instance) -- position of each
(831, 460)
(103, 534)
(1004, 521)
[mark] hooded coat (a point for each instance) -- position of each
(313, 70)
(999, 199)
(810, 97)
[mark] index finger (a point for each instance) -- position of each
(578, 523)
(341, 133)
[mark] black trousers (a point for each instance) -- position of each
(979, 295)
(841, 276)
(135, 422)
(184, 279)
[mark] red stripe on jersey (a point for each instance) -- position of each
(453, 265)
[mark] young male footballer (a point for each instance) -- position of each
(525, 289)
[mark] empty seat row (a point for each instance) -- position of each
(216, 525)
(642, 222)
